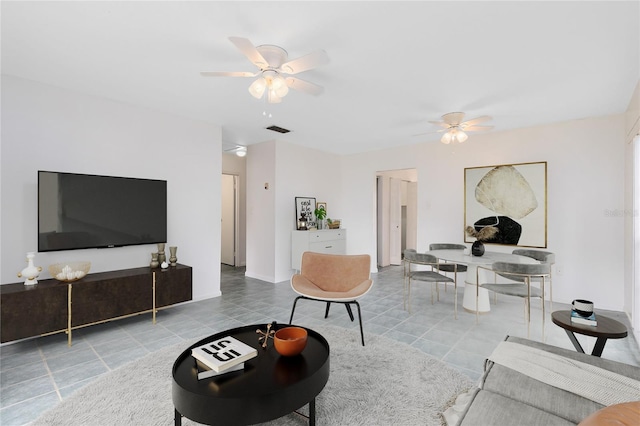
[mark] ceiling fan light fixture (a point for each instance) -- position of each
(272, 97)
(258, 87)
(279, 86)
(241, 151)
(454, 135)
(446, 138)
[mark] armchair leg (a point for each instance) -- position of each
(347, 305)
(293, 309)
(326, 311)
(359, 320)
(349, 311)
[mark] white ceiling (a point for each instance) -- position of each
(393, 65)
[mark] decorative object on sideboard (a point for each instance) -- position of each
(173, 259)
(164, 265)
(333, 223)
(69, 271)
(161, 255)
(321, 214)
(154, 260)
(483, 234)
(302, 222)
(31, 272)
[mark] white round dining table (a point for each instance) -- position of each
(470, 282)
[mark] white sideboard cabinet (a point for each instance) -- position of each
(331, 241)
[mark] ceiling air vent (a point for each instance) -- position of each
(278, 129)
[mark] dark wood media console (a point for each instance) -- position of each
(52, 306)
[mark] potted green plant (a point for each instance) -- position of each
(320, 213)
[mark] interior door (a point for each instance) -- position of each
(395, 221)
(228, 221)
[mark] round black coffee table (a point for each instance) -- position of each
(607, 328)
(270, 386)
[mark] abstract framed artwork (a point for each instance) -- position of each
(306, 205)
(511, 198)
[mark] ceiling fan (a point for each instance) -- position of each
(456, 129)
(273, 64)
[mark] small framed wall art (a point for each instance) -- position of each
(305, 206)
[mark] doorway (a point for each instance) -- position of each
(229, 220)
(396, 199)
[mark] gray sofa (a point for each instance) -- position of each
(506, 397)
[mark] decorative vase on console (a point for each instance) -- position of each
(31, 272)
(173, 260)
(161, 256)
(154, 260)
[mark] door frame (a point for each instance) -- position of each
(236, 218)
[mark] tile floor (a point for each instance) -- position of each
(36, 374)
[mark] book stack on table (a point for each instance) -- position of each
(221, 356)
(577, 318)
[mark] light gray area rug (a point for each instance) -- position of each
(383, 383)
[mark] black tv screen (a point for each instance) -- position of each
(78, 211)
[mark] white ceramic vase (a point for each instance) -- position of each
(31, 272)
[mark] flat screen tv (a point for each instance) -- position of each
(79, 211)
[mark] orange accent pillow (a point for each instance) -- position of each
(625, 414)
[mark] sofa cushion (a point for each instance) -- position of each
(489, 408)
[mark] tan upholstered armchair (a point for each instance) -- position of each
(333, 278)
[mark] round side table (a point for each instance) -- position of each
(607, 328)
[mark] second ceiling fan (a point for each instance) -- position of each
(456, 128)
(275, 70)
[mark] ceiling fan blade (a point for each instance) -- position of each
(304, 86)
(476, 128)
(477, 120)
(305, 62)
(440, 123)
(228, 74)
(250, 51)
(430, 133)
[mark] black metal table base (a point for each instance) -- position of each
(597, 349)
(177, 417)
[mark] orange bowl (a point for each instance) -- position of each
(290, 341)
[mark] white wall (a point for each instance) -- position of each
(585, 190)
(291, 171)
(47, 128)
(301, 172)
(261, 208)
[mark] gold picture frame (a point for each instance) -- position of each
(510, 197)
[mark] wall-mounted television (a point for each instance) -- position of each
(79, 211)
